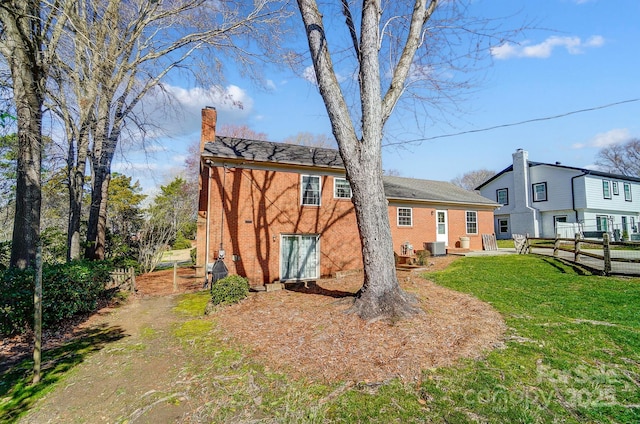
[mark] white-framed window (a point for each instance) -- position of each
(606, 189)
(299, 256)
(310, 190)
(503, 225)
(615, 188)
(472, 222)
(405, 217)
(627, 192)
(602, 223)
(502, 196)
(540, 192)
(341, 188)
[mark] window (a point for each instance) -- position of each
(633, 224)
(540, 192)
(299, 257)
(606, 189)
(615, 188)
(602, 223)
(503, 226)
(502, 196)
(627, 192)
(472, 222)
(405, 217)
(341, 188)
(311, 190)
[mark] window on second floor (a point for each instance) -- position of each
(405, 217)
(540, 192)
(627, 192)
(472, 222)
(615, 188)
(606, 189)
(310, 190)
(502, 196)
(341, 188)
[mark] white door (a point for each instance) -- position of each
(299, 257)
(442, 233)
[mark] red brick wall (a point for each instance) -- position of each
(260, 206)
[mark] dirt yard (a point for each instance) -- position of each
(301, 331)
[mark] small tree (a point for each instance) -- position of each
(622, 158)
(472, 179)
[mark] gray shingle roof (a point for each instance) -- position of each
(429, 190)
(266, 151)
(398, 188)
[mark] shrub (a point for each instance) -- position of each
(194, 255)
(230, 289)
(181, 243)
(67, 290)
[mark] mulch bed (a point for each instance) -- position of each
(305, 332)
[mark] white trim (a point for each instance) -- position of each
(335, 179)
(302, 190)
(410, 216)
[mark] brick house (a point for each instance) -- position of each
(284, 212)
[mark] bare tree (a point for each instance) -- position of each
(119, 53)
(239, 131)
(623, 158)
(472, 179)
(29, 34)
(394, 46)
(311, 140)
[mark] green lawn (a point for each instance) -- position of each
(571, 354)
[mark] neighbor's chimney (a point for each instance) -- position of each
(208, 134)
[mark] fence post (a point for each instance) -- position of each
(132, 278)
(527, 245)
(175, 276)
(37, 327)
(607, 253)
(556, 245)
(577, 247)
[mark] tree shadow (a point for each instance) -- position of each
(312, 287)
(579, 269)
(18, 395)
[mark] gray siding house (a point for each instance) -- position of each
(542, 200)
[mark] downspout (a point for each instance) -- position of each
(573, 194)
(208, 227)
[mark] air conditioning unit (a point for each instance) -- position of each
(436, 248)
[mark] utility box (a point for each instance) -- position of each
(436, 248)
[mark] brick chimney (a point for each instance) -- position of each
(208, 133)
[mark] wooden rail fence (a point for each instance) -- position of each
(604, 255)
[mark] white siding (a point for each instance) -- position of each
(596, 200)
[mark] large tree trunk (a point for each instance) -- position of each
(22, 50)
(381, 296)
(26, 225)
(76, 176)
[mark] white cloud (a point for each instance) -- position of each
(573, 45)
(600, 140)
(310, 75)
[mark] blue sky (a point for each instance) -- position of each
(581, 54)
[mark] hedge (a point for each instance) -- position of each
(67, 290)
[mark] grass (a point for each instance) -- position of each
(571, 354)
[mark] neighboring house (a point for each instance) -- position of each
(543, 200)
(284, 212)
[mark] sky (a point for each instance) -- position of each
(573, 72)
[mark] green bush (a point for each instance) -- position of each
(181, 243)
(194, 255)
(67, 290)
(230, 289)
